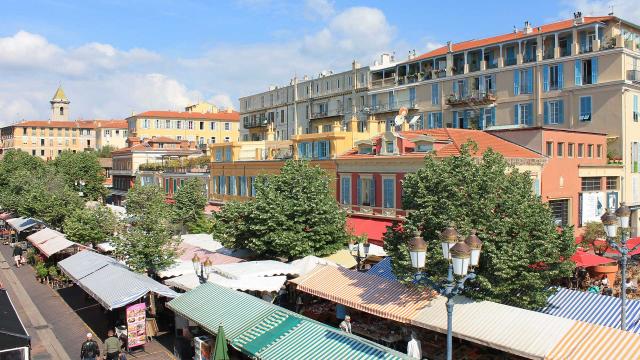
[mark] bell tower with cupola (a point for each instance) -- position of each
(59, 106)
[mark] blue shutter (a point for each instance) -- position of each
(530, 80)
(300, 150)
(223, 184)
(343, 190)
(516, 82)
(232, 185)
(465, 119)
(635, 108)
(583, 42)
(529, 113)
(455, 119)
(388, 193)
(430, 121)
(578, 72)
(481, 119)
(465, 88)
(316, 147)
(493, 116)
(560, 76)
(546, 112)
(412, 95)
(253, 186)
(561, 111)
(439, 120)
(516, 115)
(545, 78)
(455, 88)
(594, 70)
(359, 190)
(493, 83)
(372, 192)
(374, 100)
(435, 94)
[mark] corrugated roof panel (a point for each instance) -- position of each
(43, 235)
(84, 263)
(589, 341)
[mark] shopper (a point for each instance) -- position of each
(89, 349)
(17, 254)
(345, 325)
(112, 346)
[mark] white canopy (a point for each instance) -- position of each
(190, 281)
(203, 241)
(374, 250)
(251, 269)
(308, 263)
(105, 247)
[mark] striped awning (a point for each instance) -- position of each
(588, 341)
(365, 292)
(592, 308)
(268, 332)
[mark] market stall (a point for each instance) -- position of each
(251, 269)
(15, 342)
(50, 242)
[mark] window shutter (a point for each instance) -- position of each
(578, 72)
(561, 111)
(358, 190)
(455, 119)
(530, 80)
(529, 113)
(635, 108)
(435, 94)
(465, 88)
(583, 41)
(493, 116)
(546, 112)
(560, 76)
(516, 115)
(465, 119)
(516, 82)
(594, 70)
(430, 122)
(316, 148)
(439, 120)
(493, 83)
(588, 103)
(481, 84)
(372, 192)
(455, 88)
(481, 119)
(545, 78)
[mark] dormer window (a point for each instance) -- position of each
(389, 147)
(364, 147)
(423, 143)
(424, 147)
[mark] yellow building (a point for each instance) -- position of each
(201, 128)
(48, 138)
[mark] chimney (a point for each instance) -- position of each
(449, 46)
(578, 19)
(133, 140)
(527, 28)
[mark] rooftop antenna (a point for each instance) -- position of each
(611, 9)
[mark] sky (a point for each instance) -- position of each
(118, 57)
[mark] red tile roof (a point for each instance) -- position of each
(112, 124)
(222, 115)
(163, 139)
(57, 124)
(472, 44)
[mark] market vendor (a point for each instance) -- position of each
(341, 312)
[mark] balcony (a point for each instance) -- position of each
(475, 98)
(394, 106)
(383, 83)
(633, 75)
(326, 114)
(255, 123)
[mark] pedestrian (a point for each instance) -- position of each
(89, 349)
(112, 346)
(17, 254)
(414, 347)
(345, 325)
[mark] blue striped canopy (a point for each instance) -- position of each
(383, 269)
(592, 308)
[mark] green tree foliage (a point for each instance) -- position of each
(82, 172)
(190, 201)
(91, 225)
(523, 251)
(105, 151)
(293, 214)
(15, 167)
(148, 244)
(47, 198)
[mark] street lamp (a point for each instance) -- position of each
(202, 268)
(359, 251)
(610, 222)
(460, 255)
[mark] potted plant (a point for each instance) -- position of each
(594, 237)
(41, 271)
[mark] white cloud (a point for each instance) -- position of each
(318, 8)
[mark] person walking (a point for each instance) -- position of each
(17, 254)
(345, 325)
(112, 346)
(89, 349)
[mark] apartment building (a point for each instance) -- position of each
(201, 123)
(307, 106)
(48, 138)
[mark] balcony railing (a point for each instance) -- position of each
(394, 106)
(327, 113)
(474, 98)
(259, 122)
(633, 75)
(383, 83)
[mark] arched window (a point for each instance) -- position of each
(61, 110)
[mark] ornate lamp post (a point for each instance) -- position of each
(610, 222)
(202, 269)
(359, 251)
(460, 255)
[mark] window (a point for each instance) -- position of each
(560, 211)
(42, 152)
(585, 108)
(523, 81)
(242, 184)
(412, 96)
(305, 150)
(388, 193)
(554, 112)
(178, 124)
(345, 190)
(612, 183)
(560, 149)
(33, 152)
(167, 124)
(326, 128)
(158, 124)
(366, 191)
(591, 183)
(227, 153)
(190, 124)
(590, 150)
(435, 94)
(636, 114)
(580, 150)
(586, 71)
(374, 101)
(227, 126)
(570, 149)
(201, 125)
(145, 124)
(389, 147)
(424, 147)
(488, 117)
(227, 139)
(549, 150)
(523, 114)
(107, 133)
(322, 149)
(212, 125)
(552, 77)
(434, 120)
(392, 99)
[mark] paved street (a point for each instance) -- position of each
(56, 327)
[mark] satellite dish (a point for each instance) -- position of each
(399, 120)
(365, 109)
(414, 120)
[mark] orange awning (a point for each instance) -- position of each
(589, 341)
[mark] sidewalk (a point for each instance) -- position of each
(50, 320)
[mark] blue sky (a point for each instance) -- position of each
(115, 57)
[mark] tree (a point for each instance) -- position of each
(82, 172)
(294, 214)
(190, 201)
(91, 226)
(204, 225)
(148, 244)
(105, 151)
(523, 251)
(16, 168)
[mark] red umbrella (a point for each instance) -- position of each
(630, 244)
(584, 259)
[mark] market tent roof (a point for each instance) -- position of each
(254, 269)
(383, 269)
(365, 292)
(43, 235)
(593, 308)
(589, 341)
(12, 332)
(584, 259)
(105, 247)
(343, 258)
(54, 245)
(190, 281)
(22, 224)
(309, 263)
(112, 284)
(522, 332)
(203, 241)
(265, 331)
